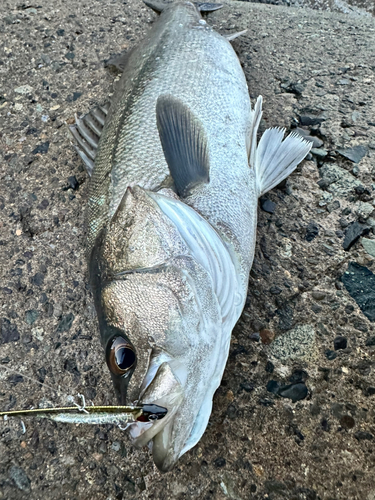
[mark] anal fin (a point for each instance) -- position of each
(184, 144)
(86, 133)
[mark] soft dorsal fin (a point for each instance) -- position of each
(184, 144)
(159, 5)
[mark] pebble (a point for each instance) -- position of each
(330, 355)
(19, 476)
(370, 341)
(298, 343)
(41, 148)
(355, 170)
(340, 343)
(364, 210)
(316, 142)
(334, 205)
(360, 284)
(255, 337)
(103, 447)
(337, 180)
(23, 89)
(295, 392)
(267, 205)
(369, 246)
(246, 386)
(316, 309)
(319, 153)
(220, 462)
(347, 422)
(267, 336)
(353, 232)
(312, 231)
(116, 446)
(273, 386)
(285, 312)
(15, 379)
(307, 120)
(293, 88)
(270, 367)
(37, 279)
(354, 154)
(317, 295)
(65, 323)
(31, 316)
(73, 183)
(363, 435)
(9, 331)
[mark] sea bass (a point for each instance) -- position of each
(171, 219)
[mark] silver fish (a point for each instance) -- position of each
(171, 218)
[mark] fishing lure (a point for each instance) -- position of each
(118, 415)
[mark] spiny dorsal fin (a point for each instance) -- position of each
(87, 131)
(118, 62)
(184, 144)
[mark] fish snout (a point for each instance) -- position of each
(165, 391)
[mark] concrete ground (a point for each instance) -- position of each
(294, 417)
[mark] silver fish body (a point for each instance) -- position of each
(171, 221)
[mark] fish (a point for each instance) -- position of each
(95, 415)
(176, 173)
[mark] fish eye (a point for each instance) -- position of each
(121, 357)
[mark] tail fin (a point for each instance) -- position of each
(159, 5)
(274, 158)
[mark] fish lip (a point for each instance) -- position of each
(165, 391)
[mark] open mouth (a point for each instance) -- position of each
(166, 391)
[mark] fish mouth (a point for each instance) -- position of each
(166, 391)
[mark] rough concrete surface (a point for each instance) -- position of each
(289, 421)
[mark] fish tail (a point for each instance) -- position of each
(273, 159)
(159, 5)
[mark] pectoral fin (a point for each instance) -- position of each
(184, 144)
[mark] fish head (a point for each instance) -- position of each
(160, 325)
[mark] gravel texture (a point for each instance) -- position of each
(294, 417)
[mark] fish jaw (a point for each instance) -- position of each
(185, 385)
(189, 404)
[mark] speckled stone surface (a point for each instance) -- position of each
(315, 70)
